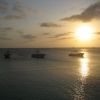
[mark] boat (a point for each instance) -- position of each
(38, 55)
(77, 54)
(7, 55)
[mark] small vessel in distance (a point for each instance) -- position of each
(38, 55)
(7, 55)
(77, 54)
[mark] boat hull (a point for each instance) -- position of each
(77, 54)
(38, 55)
(7, 56)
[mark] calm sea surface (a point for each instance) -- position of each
(56, 77)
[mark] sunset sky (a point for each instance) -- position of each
(49, 23)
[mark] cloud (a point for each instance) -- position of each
(98, 33)
(92, 12)
(3, 6)
(16, 10)
(49, 24)
(6, 29)
(46, 34)
(38, 12)
(4, 38)
(28, 36)
(13, 17)
(20, 32)
(63, 38)
(62, 35)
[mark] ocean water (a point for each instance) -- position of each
(56, 77)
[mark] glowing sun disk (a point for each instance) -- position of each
(84, 33)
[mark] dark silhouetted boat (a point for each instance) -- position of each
(38, 55)
(7, 55)
(76, 54)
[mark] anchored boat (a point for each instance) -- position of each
(38, 55)
(77, 54)
(7, 55)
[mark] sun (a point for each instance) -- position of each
(84, 32)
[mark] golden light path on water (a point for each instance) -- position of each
(84, 72)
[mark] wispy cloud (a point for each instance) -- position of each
(4, 38)
(98, 33)
(59, 35)
(62, 35)
(6, 29)
(15, 11)
(38, 12)
(3, 6)
(25, 36)
(20, 32)
(49, 24)
(46, 34)
(64, 38)
(92, 12)
(28, 37)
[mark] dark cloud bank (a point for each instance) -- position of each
(92, 12)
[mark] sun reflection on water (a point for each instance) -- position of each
(80, 85)
(84, 70)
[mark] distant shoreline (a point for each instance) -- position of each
(57, 48)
